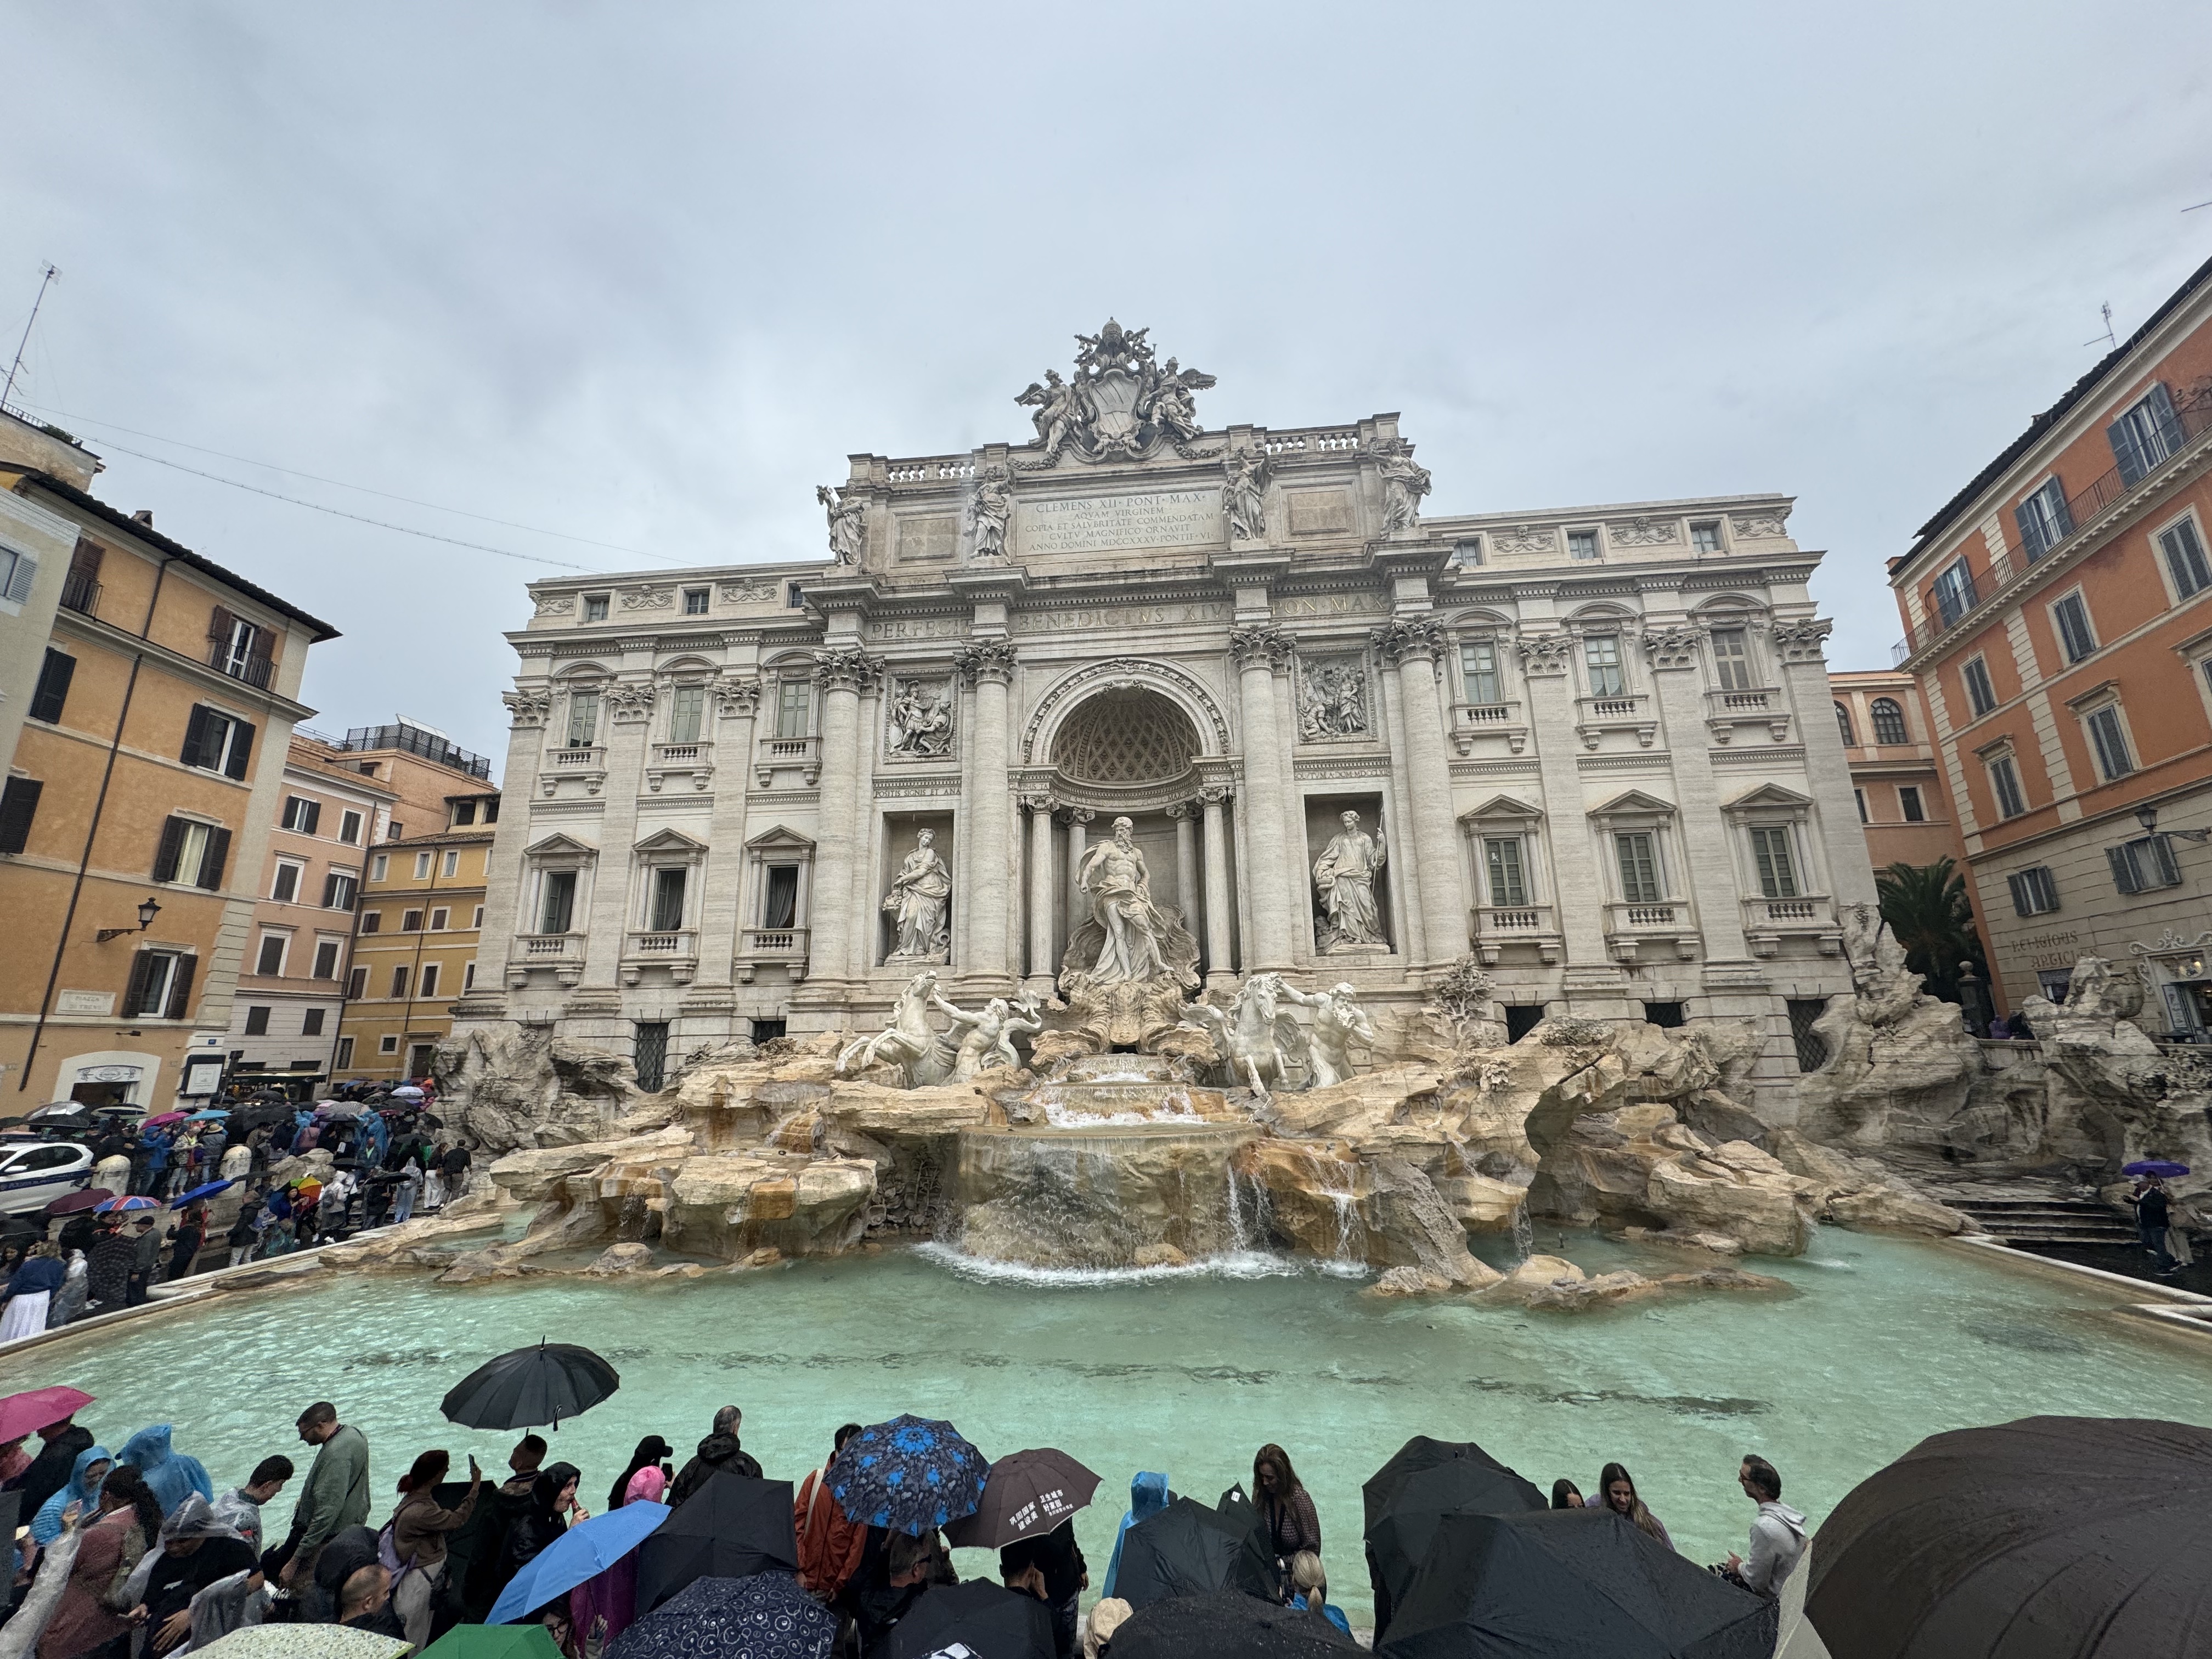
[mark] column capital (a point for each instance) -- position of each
(1802, 641)
(1404, 639)
(986, 662)
(735, 695)
(1080, 814)
(1038, 801)
(527, 710)
(1182, 809)
(847, 668)
(1544, 654)
(630, 703)
(1216, 794)
(1261, 646)
(1673, 647)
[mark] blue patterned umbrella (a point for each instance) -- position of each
(909, 1474)
(765, 1616)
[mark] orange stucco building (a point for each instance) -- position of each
(140, 788)
(2058, 616)
(1896, 775)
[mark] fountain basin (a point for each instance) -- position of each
(1120, 1195)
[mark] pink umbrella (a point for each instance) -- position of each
(26, 1414)
(164, 1119)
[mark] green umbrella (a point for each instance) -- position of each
(493, 1642)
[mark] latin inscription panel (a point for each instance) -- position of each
(1100, 524)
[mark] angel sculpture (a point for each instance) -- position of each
(1061, 408)
(1168, 401)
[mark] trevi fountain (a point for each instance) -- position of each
(1231, 1117)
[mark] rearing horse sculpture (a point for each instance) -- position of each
(1256, 1036)
(907, 1040)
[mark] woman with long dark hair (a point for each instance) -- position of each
(1291, 1522)
(1617, 1493)
(419, 1529)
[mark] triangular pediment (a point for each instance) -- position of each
(1768, 794)
(779, 836)
(1634, 801)
(558, 841)
(1502, 806)
(671, 841)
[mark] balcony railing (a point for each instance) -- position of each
(1767, 921)
(575, 760)
(776, 946)
(1625, 712)
(414, 740)
(2192, 420)
(1471, 720)
(543, 947)
(81, 594)
(256, 672)
(663, 946)
(682, 754)
(769, 753)
(1762, 706)
(1496, 925)
(1629, 924)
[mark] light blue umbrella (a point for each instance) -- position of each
(584, 1551)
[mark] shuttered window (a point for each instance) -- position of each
(216, 742)
(1979, 692)
(192, 852)
(160, 986)
(2144, 865)
(2043, 520)
(2004, 781)
(2110, 743)
(2146, 435)
(2071, 618)
(19, 805)
(52, 693)
(302, 815)
(2185, 559)
(1770, 852)
(1639, 868)
(2033, 891)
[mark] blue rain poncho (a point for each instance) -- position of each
(1148, 1496)
(46, 1524)
(170, 1476)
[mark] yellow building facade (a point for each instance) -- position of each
(140, 788)
(415, 945)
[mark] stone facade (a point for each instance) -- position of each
(1590, 747)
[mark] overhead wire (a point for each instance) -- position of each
(341, 513)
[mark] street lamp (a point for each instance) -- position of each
(2147, 816)
(148, 909)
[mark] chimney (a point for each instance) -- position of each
(144, 515)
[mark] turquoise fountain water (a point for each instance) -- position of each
(1186, 1371)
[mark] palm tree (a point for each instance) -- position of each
(1929, 914)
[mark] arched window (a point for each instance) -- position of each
(1888, 721)
(1843, 725)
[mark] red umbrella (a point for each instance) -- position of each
(26, 1414)
(84, 1199)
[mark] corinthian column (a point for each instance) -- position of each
(987, 862)
(1412, 648)
(1274, 860)
(1220, 970)
(840, 675)
(1078, 837)
(1041, 972)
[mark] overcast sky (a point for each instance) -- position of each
(646, 274)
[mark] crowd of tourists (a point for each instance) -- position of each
(391, 1158)
(136, 1551)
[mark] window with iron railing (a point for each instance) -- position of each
(1954, 593)
(2043, 520)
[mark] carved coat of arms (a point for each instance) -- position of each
(1119, 404)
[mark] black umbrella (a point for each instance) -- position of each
(1568, 1583)
(990, 1621)
(731, 1527)
(531, 1386)
(766, 1616)
(1026, 1493)
(2086, 1534)
(1408, 1495)
(1228, 1624)
(1187, 1549)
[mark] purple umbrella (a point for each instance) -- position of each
(2165, 1167)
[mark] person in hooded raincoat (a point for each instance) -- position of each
(172, 1476)
(76, 1291)
(86, 1476)
(1148, 1496)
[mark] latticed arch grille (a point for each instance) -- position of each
(1125, 737)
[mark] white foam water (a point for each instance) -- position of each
(1061, 1118)
(1234, 1264)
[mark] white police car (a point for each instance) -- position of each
(34, 1173)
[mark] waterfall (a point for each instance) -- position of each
(1524, 1232)
(1247, 1235)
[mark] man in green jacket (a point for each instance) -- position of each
(335, 1496)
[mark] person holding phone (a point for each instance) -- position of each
(419, 1529)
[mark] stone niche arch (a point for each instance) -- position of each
(1062, 703)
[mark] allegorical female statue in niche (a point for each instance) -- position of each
(1344, 877)
(916, 903)
(1113, 873)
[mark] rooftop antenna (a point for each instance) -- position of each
(45, 281)
(2109, 339)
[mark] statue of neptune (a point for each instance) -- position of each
(1113, 873)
